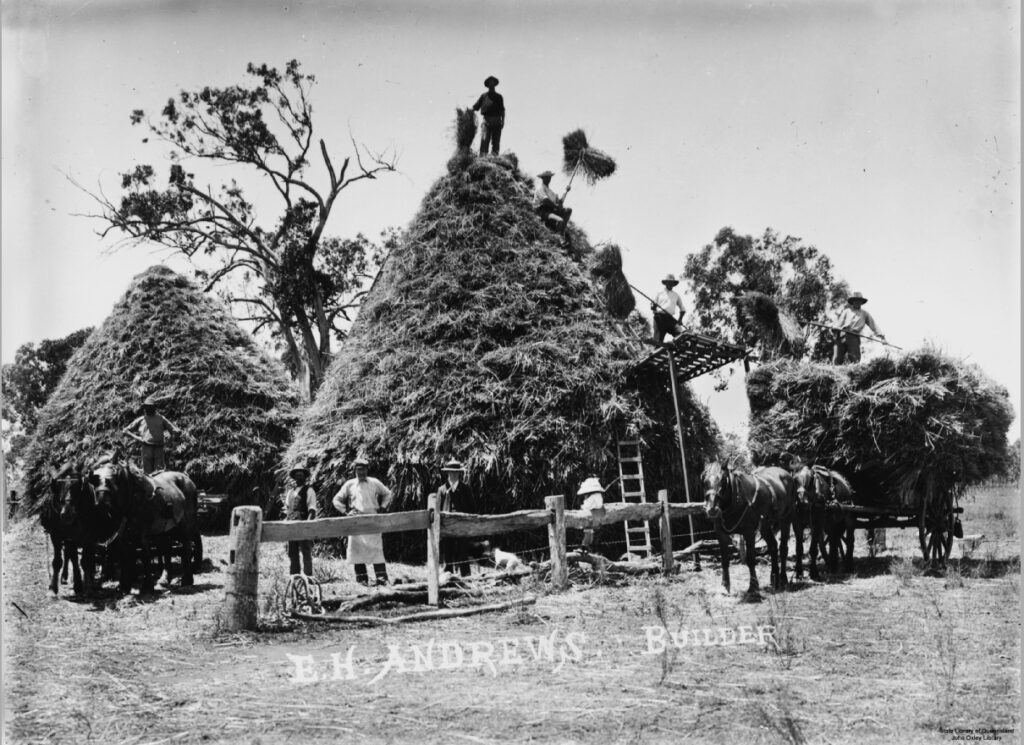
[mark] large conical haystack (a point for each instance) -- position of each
(486, 340)
(167, 338)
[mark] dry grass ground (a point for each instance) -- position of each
(886, 656)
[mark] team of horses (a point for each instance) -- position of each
(772, 500)
(114, 506)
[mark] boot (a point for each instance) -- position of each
(381, 570)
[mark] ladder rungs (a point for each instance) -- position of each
(632, 493)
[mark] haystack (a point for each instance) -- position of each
(904, 429)
(487, 339)
(167, 338)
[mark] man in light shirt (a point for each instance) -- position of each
(668, 310)
(150, 430)
(850, 323)
(364, 495)
(548, 205)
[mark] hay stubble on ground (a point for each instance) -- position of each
(888, 655)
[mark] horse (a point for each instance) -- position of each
(740, 503)
(151, 509)
(68, 517)
(823, 489)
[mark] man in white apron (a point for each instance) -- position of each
(364, 495)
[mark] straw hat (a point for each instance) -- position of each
(491, 80)
(360, 462)
(293, 473)
(151, 401)
(453, 465)
(856, 297)
(545, 175)
(670, 279)
(590, 486)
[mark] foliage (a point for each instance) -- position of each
(902, 429)
(296, 280)
(234, 404)
(28, 383)
(798, 278)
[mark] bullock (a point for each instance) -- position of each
(823, 490)
(150, 510)
(740, 503)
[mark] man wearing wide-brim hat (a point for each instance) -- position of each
(364, 495)
(455, 496)
(300, 504)
(548, 205)
(591, 495)
(150, 430)
(491, 106)
(668, 310)
(849, 327)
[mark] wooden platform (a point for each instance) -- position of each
(693, 355)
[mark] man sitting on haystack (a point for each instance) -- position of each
(548, 205)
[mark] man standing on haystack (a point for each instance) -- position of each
(668, 310)
(492, 108)
(546, 203)
(455, 496)
(300, 504)
(364, 496)
(849, 327)
(151, 430)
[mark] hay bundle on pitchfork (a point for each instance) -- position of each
(579, 157)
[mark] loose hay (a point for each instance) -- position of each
(904, 429)
(168, 338)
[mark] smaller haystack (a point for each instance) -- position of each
(167, 338)
(904, 429)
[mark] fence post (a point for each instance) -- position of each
(556, 541)
(238, 611)
(666, 533)
(433, 550)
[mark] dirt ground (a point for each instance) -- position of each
(887, 655)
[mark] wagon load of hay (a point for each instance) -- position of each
(904, 429)
(488, 338)
(167, 339)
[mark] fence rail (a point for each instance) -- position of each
(248, 530)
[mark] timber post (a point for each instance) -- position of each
(556, 541)
(666, 533)
(433, 551)
(238, 611)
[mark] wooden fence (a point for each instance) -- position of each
(248, 530)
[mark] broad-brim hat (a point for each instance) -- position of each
(453, 466)
(151, 401)
(590, 486)
(491, 80)
(298, 469)
(856, 297)
(670, 279)
(360, 462)
(544, 174)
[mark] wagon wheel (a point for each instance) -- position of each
(935, 530)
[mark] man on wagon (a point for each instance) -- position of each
(300, 504)
(364, 495)
(849, 327)
(151, 430)
(668, 310)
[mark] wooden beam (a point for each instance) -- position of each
(666, 533)
(556, 542)
(336, 527)
(614, 512)
(685, 509)
(462, 525)
(433, 551)
(239, 608)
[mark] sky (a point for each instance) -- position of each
(886, 134)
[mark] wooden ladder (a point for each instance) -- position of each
(631, 483)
